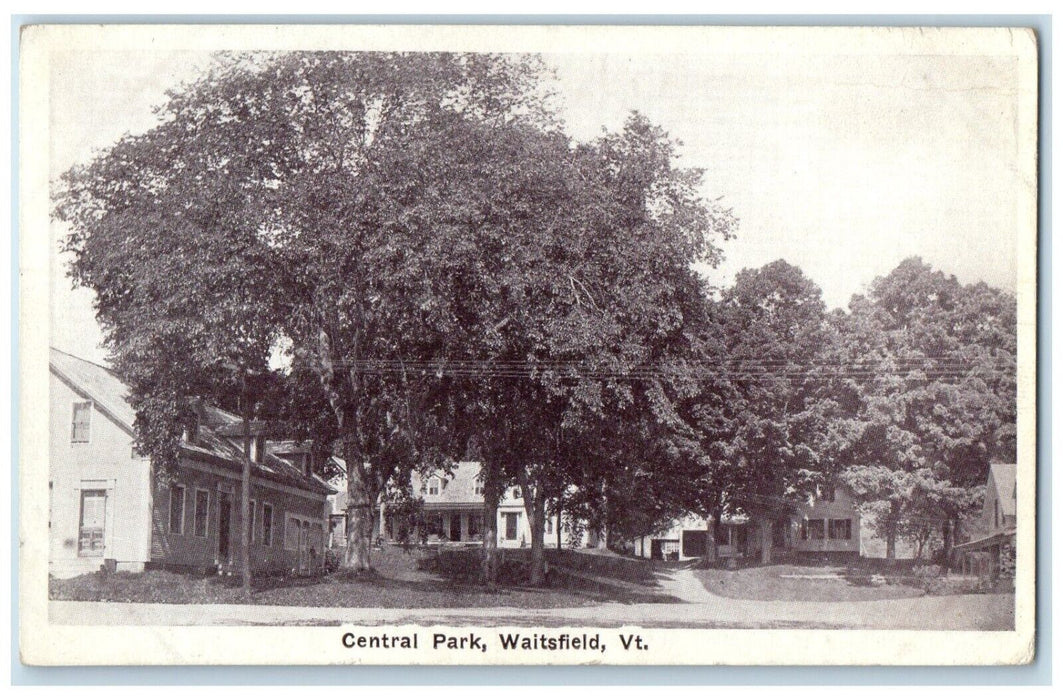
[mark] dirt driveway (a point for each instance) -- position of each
(701, 609)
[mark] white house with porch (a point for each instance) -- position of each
(453, 514)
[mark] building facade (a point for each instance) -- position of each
(827, 523)
(108, 509)
(452, 513)
(991, 549)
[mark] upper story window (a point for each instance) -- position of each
(516, 492)
(826, 493)
(79, 429)
(433, 486)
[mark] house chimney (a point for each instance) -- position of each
(192, 418)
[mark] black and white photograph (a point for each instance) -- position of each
(528, 345)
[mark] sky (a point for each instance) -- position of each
(841, 165)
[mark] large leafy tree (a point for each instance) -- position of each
(935, 364)
(581, 299)
(311, 201)
(779, 418)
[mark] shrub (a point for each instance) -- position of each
(332, 561)
(927, 571)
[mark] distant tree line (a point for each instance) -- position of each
(449, 275)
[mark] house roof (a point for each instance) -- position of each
(109, 394)
(458, 487)
(1003, 477)
(97, 382)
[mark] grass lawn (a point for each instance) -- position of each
(402, 579)
(807, 583)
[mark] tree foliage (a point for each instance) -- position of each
(935, 367)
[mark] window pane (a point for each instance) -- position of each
(79, 431)
(202, 504)
(177, 509)
(815, 529)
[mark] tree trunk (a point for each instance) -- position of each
(891, 543)
(891, 532)
(492, 492)
(948, 539)
(710, 533)
(360, 499)
(535, 508)
(560, 504)
(765, 540)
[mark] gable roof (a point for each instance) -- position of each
(458, 487)
(96, 382)
(109, 394)
(1003, 477)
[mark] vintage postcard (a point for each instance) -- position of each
(527, 345)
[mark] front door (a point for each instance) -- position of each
(455, 527)
(225, 519)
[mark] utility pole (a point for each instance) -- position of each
(245, 494)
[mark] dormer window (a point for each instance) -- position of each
(479, 488)
(79, 428)
(433, 486)
(826, 493)
(516, 493)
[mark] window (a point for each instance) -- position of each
(548, 525)
(177, 509)
(200, 517)
(840, 529)
(479, 487)
(516, 493)
(804, 529)
(475, 524)
(511, 525)
(251, 522)
(267, 524)
(815, 529)
(79, 429)
(433, 486)
(827, 493)
(90, 529)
